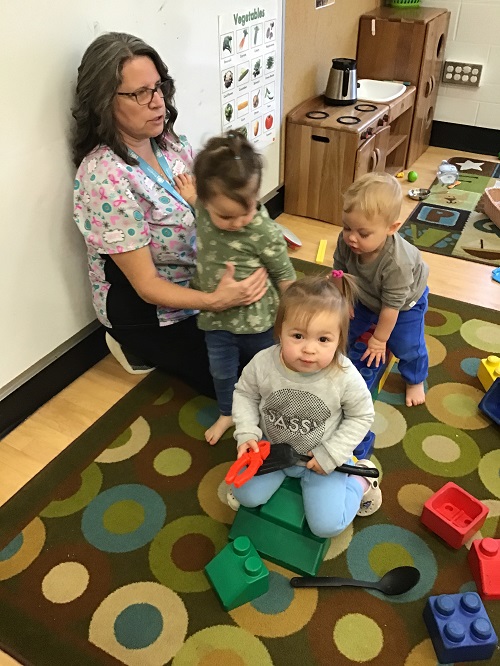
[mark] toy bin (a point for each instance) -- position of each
(454, 514)
(405, 3)
(491, 204)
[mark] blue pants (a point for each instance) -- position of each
(330, 502)
(406, 342)
(226, 353)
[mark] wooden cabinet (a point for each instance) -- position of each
(372, 154)
(406, 45)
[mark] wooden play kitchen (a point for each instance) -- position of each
(328, 147)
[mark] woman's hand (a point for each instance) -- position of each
(251, 445)
(185, 185)
(315, 466)
(230, 293)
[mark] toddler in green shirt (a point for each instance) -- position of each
(233, 228)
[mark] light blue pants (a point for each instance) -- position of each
(330, 502)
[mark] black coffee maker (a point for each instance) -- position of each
(342, 86)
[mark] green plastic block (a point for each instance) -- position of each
(292, 483)
(286, 508)
(237, 574)
(280, 532)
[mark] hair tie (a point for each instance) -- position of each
(337, 274)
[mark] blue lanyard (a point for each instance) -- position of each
(156, 177)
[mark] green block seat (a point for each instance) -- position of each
(238, 574)
(280, 533)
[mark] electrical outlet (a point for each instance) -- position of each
(461, 73)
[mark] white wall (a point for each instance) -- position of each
(45, 297)
(473, 36)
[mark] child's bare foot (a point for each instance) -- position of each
(215, 432)
(415, 394)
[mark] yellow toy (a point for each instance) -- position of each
(400, 174)
(488, 371)
(321, 252)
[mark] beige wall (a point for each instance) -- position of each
(312, 38)
(472, 38)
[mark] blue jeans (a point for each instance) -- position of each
(330, 502)
(226, 353)
(406, 341)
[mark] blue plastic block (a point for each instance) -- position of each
(459, 627)
(237, 574)
(371, 375)
(364, 450)
(490, 404)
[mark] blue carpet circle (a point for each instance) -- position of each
(377, 535)
(12, 548)
(280, 601)
(138, 626)
(470, 366)
(146, 502)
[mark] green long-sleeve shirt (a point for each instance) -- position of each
(260, 243)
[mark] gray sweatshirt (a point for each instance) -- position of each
(397, 278)
(328, 412)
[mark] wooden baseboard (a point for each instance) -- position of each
(464, 137)
(35, 392)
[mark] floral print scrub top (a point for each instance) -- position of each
(119, 209)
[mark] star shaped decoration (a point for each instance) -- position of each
(468, 164)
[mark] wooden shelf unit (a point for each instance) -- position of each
(406, 44)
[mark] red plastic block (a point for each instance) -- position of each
(453, 514)
(484, 562)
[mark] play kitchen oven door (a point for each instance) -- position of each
(322, 161)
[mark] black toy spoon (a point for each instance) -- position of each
(395, 581)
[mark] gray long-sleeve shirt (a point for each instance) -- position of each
(328, 412)
(396, 278)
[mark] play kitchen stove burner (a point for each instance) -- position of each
(363, 118)
(354, 120)
(343, 120)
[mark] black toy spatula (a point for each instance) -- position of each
(283, 456)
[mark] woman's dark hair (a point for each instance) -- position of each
(226, 165)
(99, 76)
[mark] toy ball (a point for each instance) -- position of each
(412, 176)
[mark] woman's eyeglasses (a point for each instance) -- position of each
(144, 96)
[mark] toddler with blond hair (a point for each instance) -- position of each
(391, 278)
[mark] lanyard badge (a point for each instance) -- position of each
(167, 185)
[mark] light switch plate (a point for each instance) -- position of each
(461, 73)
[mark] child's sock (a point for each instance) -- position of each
(362, 481)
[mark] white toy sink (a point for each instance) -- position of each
(379, 91)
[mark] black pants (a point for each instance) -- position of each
(178, 349)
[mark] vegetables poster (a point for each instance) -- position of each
(250, 72)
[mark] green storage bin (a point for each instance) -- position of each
(405, 3)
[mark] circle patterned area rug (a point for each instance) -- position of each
(102, 555)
